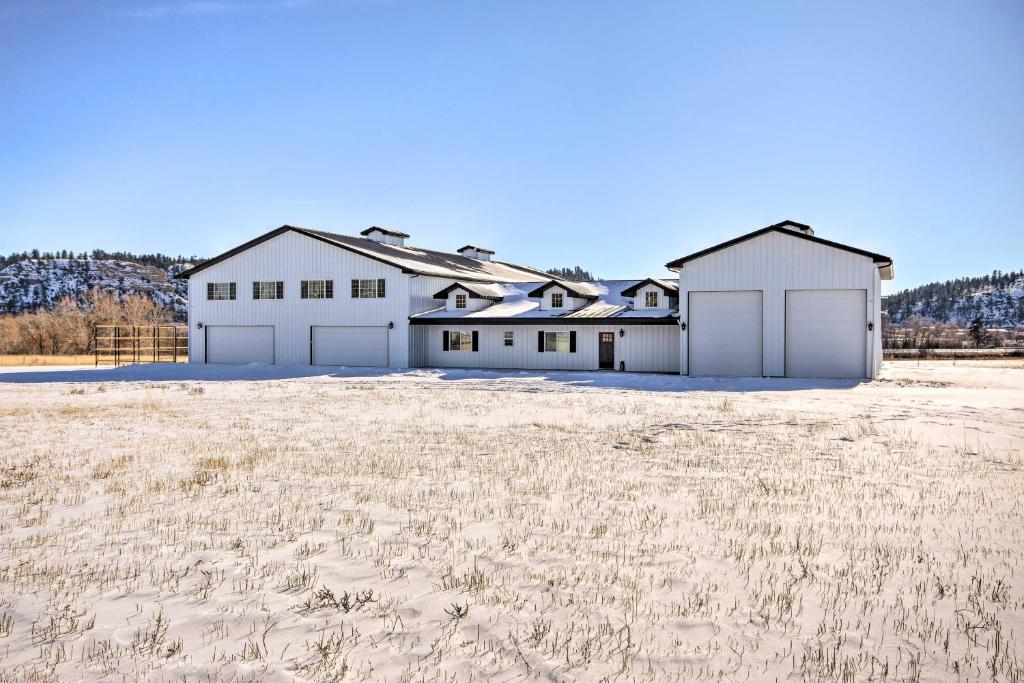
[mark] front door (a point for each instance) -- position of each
(606, 351)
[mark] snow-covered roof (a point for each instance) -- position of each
(580, 290)
(521, 303)
(408, 259)
(669, 286)
(476, 290)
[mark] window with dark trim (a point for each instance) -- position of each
(509, 338)
(317, 289)
(460, 301)
(268, 290)
(651, 299)
(557, 300)
(220, 291)
(564, 342)
(457, 340)
(368, 288)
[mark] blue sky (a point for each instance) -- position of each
(615, 136)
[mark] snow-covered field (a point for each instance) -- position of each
(252, 523)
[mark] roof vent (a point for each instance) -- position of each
(385, 236)
(795, 227)
(479, 253)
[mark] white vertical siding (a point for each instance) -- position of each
(291, 258)
(773, 263)
(643, 348)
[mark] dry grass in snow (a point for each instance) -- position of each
(409, 528)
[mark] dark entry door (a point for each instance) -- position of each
(606, 351)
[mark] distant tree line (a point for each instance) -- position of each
(952, 300)
(156, 260)
(574, 274)
(67, 329)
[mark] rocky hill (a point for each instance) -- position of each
(30, 283)
(998, 299)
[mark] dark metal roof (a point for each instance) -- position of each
(386, 231)
(407, 259)
(576, 289)
(474, 289)
(470, 246)
(542, 322)
(779, 227)
(668, 286)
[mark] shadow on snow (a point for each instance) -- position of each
(509, 379)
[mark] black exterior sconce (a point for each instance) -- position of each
(391, 325)
(682, 325)
(622, 332)
(871, 327)
(199, 326)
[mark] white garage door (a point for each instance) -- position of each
(826, 333)
(724, 331)
(240, 344)
(352, 346)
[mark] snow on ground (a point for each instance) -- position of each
(263, 523)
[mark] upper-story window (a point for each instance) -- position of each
(460, 301)
(220, 291)
(268, 290)
(368, 289)
(317, 289)
(651, 299)
(556, 300)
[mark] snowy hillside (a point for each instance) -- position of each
(28, 284)
(998, 299)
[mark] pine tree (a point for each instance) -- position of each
(978, 334)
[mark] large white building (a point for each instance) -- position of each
(775, 302)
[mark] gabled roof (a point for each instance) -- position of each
(517, 307)
(882, 261)
(383, 231)
(475, 290)
(670, 287)
(580, 290)
(478, 249)
(407, 259)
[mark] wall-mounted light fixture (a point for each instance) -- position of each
(622, 332)
(682, 325)
(871, 327)
(199, 326)
(391, 325)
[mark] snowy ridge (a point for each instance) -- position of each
(997, 299)
(29, 284)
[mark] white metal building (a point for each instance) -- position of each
(781, 302)
(296, 296)
(775, 302)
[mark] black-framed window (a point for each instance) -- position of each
(651, 299)
(460, 301)
(554, 342)
(557, 300)
(317, 289)
(509, 338)
(268, 289)
(220, 291)
(368, 288)
(459, 340)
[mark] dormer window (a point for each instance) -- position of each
(556, 300)
(651, 299)
(460, 301)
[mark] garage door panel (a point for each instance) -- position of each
(239, 344)
(724, 331)
(350, 345)
(826, 333)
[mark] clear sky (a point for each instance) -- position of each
(614, 136)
